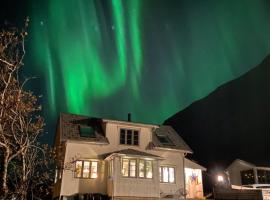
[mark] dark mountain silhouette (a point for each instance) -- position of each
(232, 122)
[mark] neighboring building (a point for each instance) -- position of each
(244, 173)
(122, 159)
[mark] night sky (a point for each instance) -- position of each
(151, 58)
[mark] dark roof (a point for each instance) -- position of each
(260, 163)
(70, 128)
(131, 152)
(252, 164)
(175, 141)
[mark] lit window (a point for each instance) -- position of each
(129, 137)
(167, 174)
(171, 175)
(141, 169)
(94, 169)
(149, 169)
(86, 169)
(110, 168)
(78, 169)
(125, 167)
(129, 168)
(132, 168)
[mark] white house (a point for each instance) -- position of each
(243, 173)
(123, 160)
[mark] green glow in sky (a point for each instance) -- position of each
(152, 58)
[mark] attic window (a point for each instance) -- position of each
(165, 140)
(87, 131)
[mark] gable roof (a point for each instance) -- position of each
(253, 165)
(70, 128)
(131, 152)
(193, 165)
(241, 162)
(175, 140)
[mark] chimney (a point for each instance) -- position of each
(129, 117)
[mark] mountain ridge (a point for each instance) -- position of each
(225, 124)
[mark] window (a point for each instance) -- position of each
(129, 137)
(247, 177)
(141, 169)
(148, 169)
(110, 168)
(86, 169)
(130, 166)
(165, 140)
(145, 169)
(263, 176)
(93, 169)
(87, 131)
(167, 174)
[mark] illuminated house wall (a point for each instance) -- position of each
(118, 158)
(193, 179)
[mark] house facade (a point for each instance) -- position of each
(120, 159)
(244, 173)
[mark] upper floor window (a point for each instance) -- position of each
(129, 137)
(132, 167)
(165, 140)
(86, 169)
(167, 174)
(87, 131)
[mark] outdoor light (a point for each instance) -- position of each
(220, 178)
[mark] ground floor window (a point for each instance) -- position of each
(247, 177)
(86, 169)
(263, 176)
(167, 174)
(132, 167)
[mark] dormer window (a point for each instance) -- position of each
(129, 137)
(87, 131)
(165, 140)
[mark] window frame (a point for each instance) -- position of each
(110, 168)
(133, 131)
(167, 142)
(161, 175)
(83, 127)
(90, 169)
(137, 169)
(247, 177)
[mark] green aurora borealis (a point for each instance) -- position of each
(148, 57)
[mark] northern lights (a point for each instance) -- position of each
(148, 57)
(89, 52)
